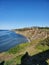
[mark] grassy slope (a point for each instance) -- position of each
(17, 52)
(13, 56)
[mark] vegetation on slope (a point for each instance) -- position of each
(44, 44)
(19, 48)
(38, 44)
(32, 48)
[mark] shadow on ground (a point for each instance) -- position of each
(38, 59)
(2, 63)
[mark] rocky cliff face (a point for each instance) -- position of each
(34, 33)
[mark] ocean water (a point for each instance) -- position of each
(9, 39)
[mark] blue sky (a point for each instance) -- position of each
(23, 13)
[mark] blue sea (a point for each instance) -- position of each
(9, 39)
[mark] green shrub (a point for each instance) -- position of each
(18, 48)
(43, 45)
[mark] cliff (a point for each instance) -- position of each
(34, 33)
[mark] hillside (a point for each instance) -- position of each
(30, 52)
(34, 33)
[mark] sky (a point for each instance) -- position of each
(23, 13)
